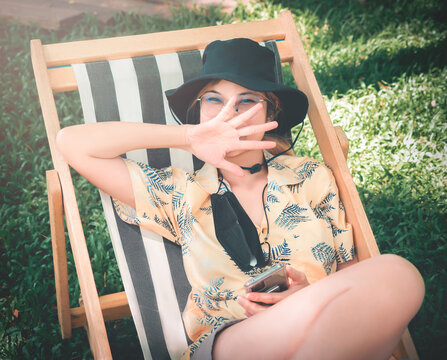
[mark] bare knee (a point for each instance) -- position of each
(404, 280)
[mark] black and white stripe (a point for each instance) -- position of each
(156, 286)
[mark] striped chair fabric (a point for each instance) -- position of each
(132, 90)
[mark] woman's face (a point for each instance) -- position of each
(223, 90)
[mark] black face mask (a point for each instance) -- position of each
(236, 232)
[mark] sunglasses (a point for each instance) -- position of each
(211, 103)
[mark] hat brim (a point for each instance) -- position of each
(294, 103)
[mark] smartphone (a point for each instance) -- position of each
(271, 280)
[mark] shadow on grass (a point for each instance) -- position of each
(380, 66)
(359, 17)
(420, 237)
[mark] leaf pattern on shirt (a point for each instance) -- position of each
(165, 223)
(271, 200)
(326, 254)
(125, 212)
(295, 188)
(291, 216)
(273, 186)
(208, 210)
(306, 170)
(155, 179)
(177, 199)
(276, 164)
(256, 271)
(324, 207)
(343, 254)
(281, 252)
(336, 231)
(185, 220)
(190, 178)
(155, 200)
(209, 299)
(341, 206)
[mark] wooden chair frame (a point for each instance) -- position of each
(51, 78)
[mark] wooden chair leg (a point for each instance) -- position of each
(92, 348)
(59, 252)
(406, 349)
(408, 345)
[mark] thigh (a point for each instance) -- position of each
(359, 293)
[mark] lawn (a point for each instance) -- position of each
(381, 67)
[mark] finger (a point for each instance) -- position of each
(254, 129)
(231, 167)
(254, 145)
(242, 301)
(266, 298)
(242, 118)
(249, 306)
(296, 276)
(227, 110)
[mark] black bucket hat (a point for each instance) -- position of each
(248, 64)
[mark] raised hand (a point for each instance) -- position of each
(250, 302)
(212, 140)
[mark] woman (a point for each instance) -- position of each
(246, 210)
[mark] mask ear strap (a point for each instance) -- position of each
(290, 147)
(258, 167)
(266, 237)
(221, 181)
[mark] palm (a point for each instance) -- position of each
(213, 140)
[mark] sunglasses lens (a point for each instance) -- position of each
(246, 102)
(211, 104)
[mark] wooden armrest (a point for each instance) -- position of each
(59, 252)
(343, 140)
(113, 306)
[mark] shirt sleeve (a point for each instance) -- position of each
(155, 192)
(330, 207)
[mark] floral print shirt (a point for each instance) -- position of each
(306, 219)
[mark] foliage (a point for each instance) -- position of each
(381, 68)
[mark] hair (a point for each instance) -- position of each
(193, 111)
(273, 110)
(282, 144)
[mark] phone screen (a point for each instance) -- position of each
(271, 280)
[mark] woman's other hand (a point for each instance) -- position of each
(250, 302)
(212, 140)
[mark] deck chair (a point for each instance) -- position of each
(113, 75)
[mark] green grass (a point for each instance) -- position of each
(381, 66)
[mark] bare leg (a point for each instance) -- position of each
(357, 313)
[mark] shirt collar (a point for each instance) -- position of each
(284, 170)
(207, 178)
